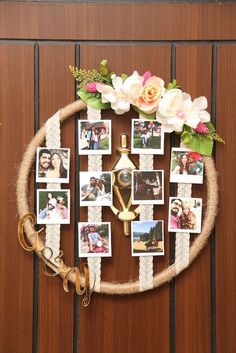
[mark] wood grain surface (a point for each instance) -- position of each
(56, 89)
(226, 162)
(192, 303)
(38, 41)
(117, 21)
(16, 114)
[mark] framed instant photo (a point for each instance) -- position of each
(186, 166)
(148, 187)
(52, 165)
(95, 189)
(94, 239)
(147, 238)
(94, 137)
(147, 137)
(53, 206)
(185, 215)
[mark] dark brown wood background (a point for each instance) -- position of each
(195, 43)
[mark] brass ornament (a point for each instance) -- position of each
(121, 183)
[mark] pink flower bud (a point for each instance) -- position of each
(91, 87)
(202, 129)
(146, 76)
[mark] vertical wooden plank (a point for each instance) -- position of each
(193, 73)
(225, 227)
(16, 129)
(121, 332)
(55, 306)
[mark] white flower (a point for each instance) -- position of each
(176, 109)
(122, 94)
(133, 86)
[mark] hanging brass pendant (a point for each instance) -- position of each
(122, 183)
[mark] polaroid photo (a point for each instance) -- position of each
(147, 137)
(94, 239)
(186, 166)
(94, 137)
(95, 189)
(185, 215)
(148, 187)
(147, 238)
(53, 206)
(52, 165)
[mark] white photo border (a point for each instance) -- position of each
(146, 150)
(53, 191)
(189, 179)
(52, 180)
(99, 152)
(95, 174)
(147, 253)
(148, 202)
(179, 230)
(81, 254)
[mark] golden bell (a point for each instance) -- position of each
(121, 182)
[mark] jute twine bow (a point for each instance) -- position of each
(48, 267)
(70, 274)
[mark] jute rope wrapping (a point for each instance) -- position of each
(146, 214)
(106, 287)
(94, 212)
(53, 231)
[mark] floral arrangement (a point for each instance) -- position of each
(146, 94)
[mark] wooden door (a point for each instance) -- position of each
(195, 43)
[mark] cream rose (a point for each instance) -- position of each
(151, 94)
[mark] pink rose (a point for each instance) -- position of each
(202, 129)
(91, 87)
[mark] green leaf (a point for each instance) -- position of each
(197, 142)
(92, 99)
(147, 116)
(103, 62)
(210, 127)
(124, 77)
(103, 69)
(172, 85)
(169, 87)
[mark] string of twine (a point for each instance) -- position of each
(106, 287)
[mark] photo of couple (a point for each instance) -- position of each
(52, 165)
(148, 187)
(94, 137)
(94, 239)
(53, 206)
(147, 137)
(147, 238)
(186, 166)
(185, 215)
(95, 189)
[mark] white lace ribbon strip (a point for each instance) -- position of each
(182, 240)
(146, 214)
(146, 262)
(53, 140)
(94, 212)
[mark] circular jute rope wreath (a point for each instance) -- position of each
(106, 287)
